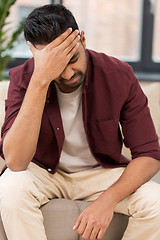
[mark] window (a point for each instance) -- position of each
(125, 29)
(110, 26)
(156, 33)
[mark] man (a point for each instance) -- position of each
(61, 136)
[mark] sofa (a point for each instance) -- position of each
(60, 214)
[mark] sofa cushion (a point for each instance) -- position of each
(59, 216)
(2, 232)
(152, 91)
(2, 112)
(3, 96)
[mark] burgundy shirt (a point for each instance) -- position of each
(111, 97)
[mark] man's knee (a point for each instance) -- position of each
(146, 200)
(14, 188)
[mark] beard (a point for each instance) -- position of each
(75, 81)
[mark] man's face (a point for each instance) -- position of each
(74, 73)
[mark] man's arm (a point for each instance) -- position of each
(20, 142)
(140, 136)
(96, 217)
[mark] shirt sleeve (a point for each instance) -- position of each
(137, 125)
(12, 105)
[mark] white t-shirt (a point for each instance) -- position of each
(76, 155)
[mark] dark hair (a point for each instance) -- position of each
(46, 23)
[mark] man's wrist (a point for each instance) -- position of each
(110, 197)
(39, 82)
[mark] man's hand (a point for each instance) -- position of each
(94, 220)
(51, 60)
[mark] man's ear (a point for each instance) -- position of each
(83, 39)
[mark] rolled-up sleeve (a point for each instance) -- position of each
(137, 125)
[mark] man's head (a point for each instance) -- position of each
(46, 23)
(43, 26)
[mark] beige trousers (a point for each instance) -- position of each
(22, 194)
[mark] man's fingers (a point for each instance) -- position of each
(72, 45)
(63, 42)
(72, 39)
(76, 224)
(101, 234)
(56, 42)
(72, 48)
(90, 232)
(78, 221)
(66, 42)
(82, 227)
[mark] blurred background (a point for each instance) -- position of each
(126, 29)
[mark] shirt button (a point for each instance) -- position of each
(49, 169)
(58, 129)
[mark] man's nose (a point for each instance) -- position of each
(67, 73)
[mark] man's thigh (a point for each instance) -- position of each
(145, 199)
(89, 184)
(35, 180)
